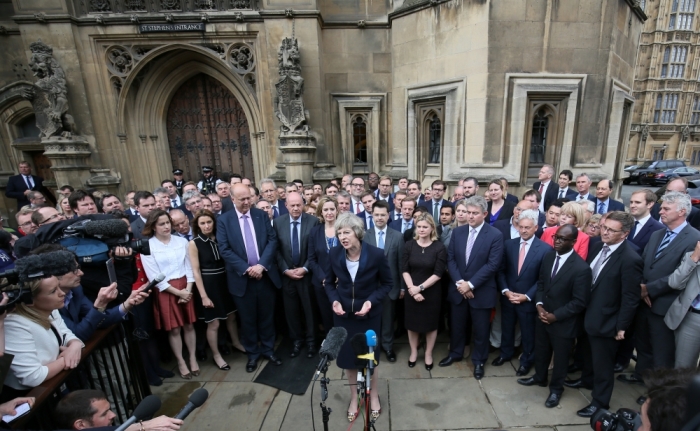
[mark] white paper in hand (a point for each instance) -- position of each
(21, 410)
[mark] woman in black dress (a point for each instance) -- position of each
(357, 280)
(321, 240)
(210, 277)
(424, 264)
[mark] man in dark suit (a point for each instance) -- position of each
(268, 191)
(474, 256)
(145, 203)
(436, 202)
(517, 282)
(293, 231)
(583, 187)
(383, 192)
(178, 180)
(564, 191)
(603, 202)
(641, 203)
(546, 187)
(509, 228)
(679, 184)
(248, 244)
(408, 206)
(662, 255)
(617, 273)
(367, 200)
(563, 289)
(391, 241)
(19, 186)
(223, 190)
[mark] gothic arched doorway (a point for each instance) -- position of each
(207, 127)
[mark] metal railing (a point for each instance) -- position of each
(111, 361)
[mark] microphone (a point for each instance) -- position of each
(331, 347)
(160, 277)
(110, 228)
(46, 264)
(146, 409)
(197, 398)
(371, 338)
(358, 344)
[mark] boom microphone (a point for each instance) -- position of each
(331, 347)
(146, 409)
(160, 277)
(197, 398)
(110, 228)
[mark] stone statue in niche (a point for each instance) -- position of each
(49, 95)
(289, 103)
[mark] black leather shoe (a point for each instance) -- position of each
(164, 373)
(429, 366)
(499, 361)
(390, 355)
(296, 349)
(619, 368)
(522, 371)
(448, 361)
(530, 381)
(552, 400)
(641, 400)
(201, 355)
(630, 378)
(224, 350)
(252, 365)
(274, 360)
(576, 384)
(479, 371)
(587, 412)
(573, 368)
(311, 351)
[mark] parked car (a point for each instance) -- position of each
(631, 168)
(656, 178)
(694, 192)
(656, 166)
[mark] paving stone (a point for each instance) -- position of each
(298, 415)
(173, 395)
(400, 369)
(278, 409)
(439, 404)
(242, 404)
(573, 428)
(624, 395)
(518, 405)
(462, 368)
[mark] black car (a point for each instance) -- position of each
(641, 173)
(656, 178)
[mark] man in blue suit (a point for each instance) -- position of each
(383, 192)
(474, 256)
(248, 244)
(434, 204)
(517, 281)
(641, 203)
(19, 186)
(564, 191)
(268, 191)
(603, 202)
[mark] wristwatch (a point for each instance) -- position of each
(421, 288)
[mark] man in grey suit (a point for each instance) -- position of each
(683, 316)
(145, 203)
(392, 242)
(292, 260)
(662, 255)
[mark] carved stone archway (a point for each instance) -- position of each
(143, 103)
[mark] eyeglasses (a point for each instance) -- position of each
(357, 185)
(53, 217)
(607, 229)
(26, 224)
(593, 226)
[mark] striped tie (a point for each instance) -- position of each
(666, 241)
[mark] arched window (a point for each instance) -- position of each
(538, 143)
(359, 138)
(435, 134)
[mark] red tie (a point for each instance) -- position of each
(521, 256)
(541, 187)
(357, 211)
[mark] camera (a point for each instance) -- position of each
(622, 420)
(16, 293)
(137, 245)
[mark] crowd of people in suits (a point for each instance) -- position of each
(562, 279)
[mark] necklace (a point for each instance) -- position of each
(348, 258)
(423, 252)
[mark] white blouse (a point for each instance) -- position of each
(352, 268)
(33, 347)
(171, 259)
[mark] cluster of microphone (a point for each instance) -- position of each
(151, 404)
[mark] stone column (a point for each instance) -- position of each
(69, 159)
(298, 151)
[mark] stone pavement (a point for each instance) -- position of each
(412, 399)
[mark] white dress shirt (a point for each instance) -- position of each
(476, 236)
(171, 259)
(642, 221)
(376, 234)
(527, 249)
(545, 187)
(600, 253)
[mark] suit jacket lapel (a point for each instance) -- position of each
(674, 243)
(612, 260)
(371, 239)
(363, 261)
(480, 238)
(529, 257)
(563, 268)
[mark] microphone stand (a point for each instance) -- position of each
(324, 396)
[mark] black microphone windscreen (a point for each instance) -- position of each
(147, 408)
(109, 228)
(45, 265)
(198, 397)
(358, 342)
(333, 342)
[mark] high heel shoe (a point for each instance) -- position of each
(224, 367)
(411, 364)
(375, 413)
(187, 376)
(429, 366)
(352, 416)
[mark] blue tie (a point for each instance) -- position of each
(664, 243)
(295, 244)
(381, 240)
(601, 208)
(371, 223)
(275, 213)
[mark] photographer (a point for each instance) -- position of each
(665, 407)
(89, 409)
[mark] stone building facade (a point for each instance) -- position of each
(666, 117)
(420, 88)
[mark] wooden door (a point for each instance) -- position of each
(42, 166)
(207, 127)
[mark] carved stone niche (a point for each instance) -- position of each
(69, 158)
